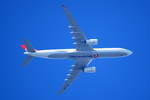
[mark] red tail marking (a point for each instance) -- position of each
(23, 46)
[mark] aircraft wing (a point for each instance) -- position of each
(75, 71)
(78, 36)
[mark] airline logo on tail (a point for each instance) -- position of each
(24, 47)
(27, 46)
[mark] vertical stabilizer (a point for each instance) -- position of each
(27, 46)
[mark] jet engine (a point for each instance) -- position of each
(92, 41)
(89, 69)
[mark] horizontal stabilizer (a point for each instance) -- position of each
(27, 60)
(27, 46)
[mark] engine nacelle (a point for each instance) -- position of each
(89, 69)
(92, 41)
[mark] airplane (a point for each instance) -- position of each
(82, 55)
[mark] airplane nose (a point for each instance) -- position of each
(128, 52)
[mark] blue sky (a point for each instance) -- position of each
(116, 23)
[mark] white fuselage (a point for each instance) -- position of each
(73, 53)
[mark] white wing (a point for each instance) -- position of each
(75, 71)
(77, 35)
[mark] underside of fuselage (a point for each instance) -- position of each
(73, 53)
